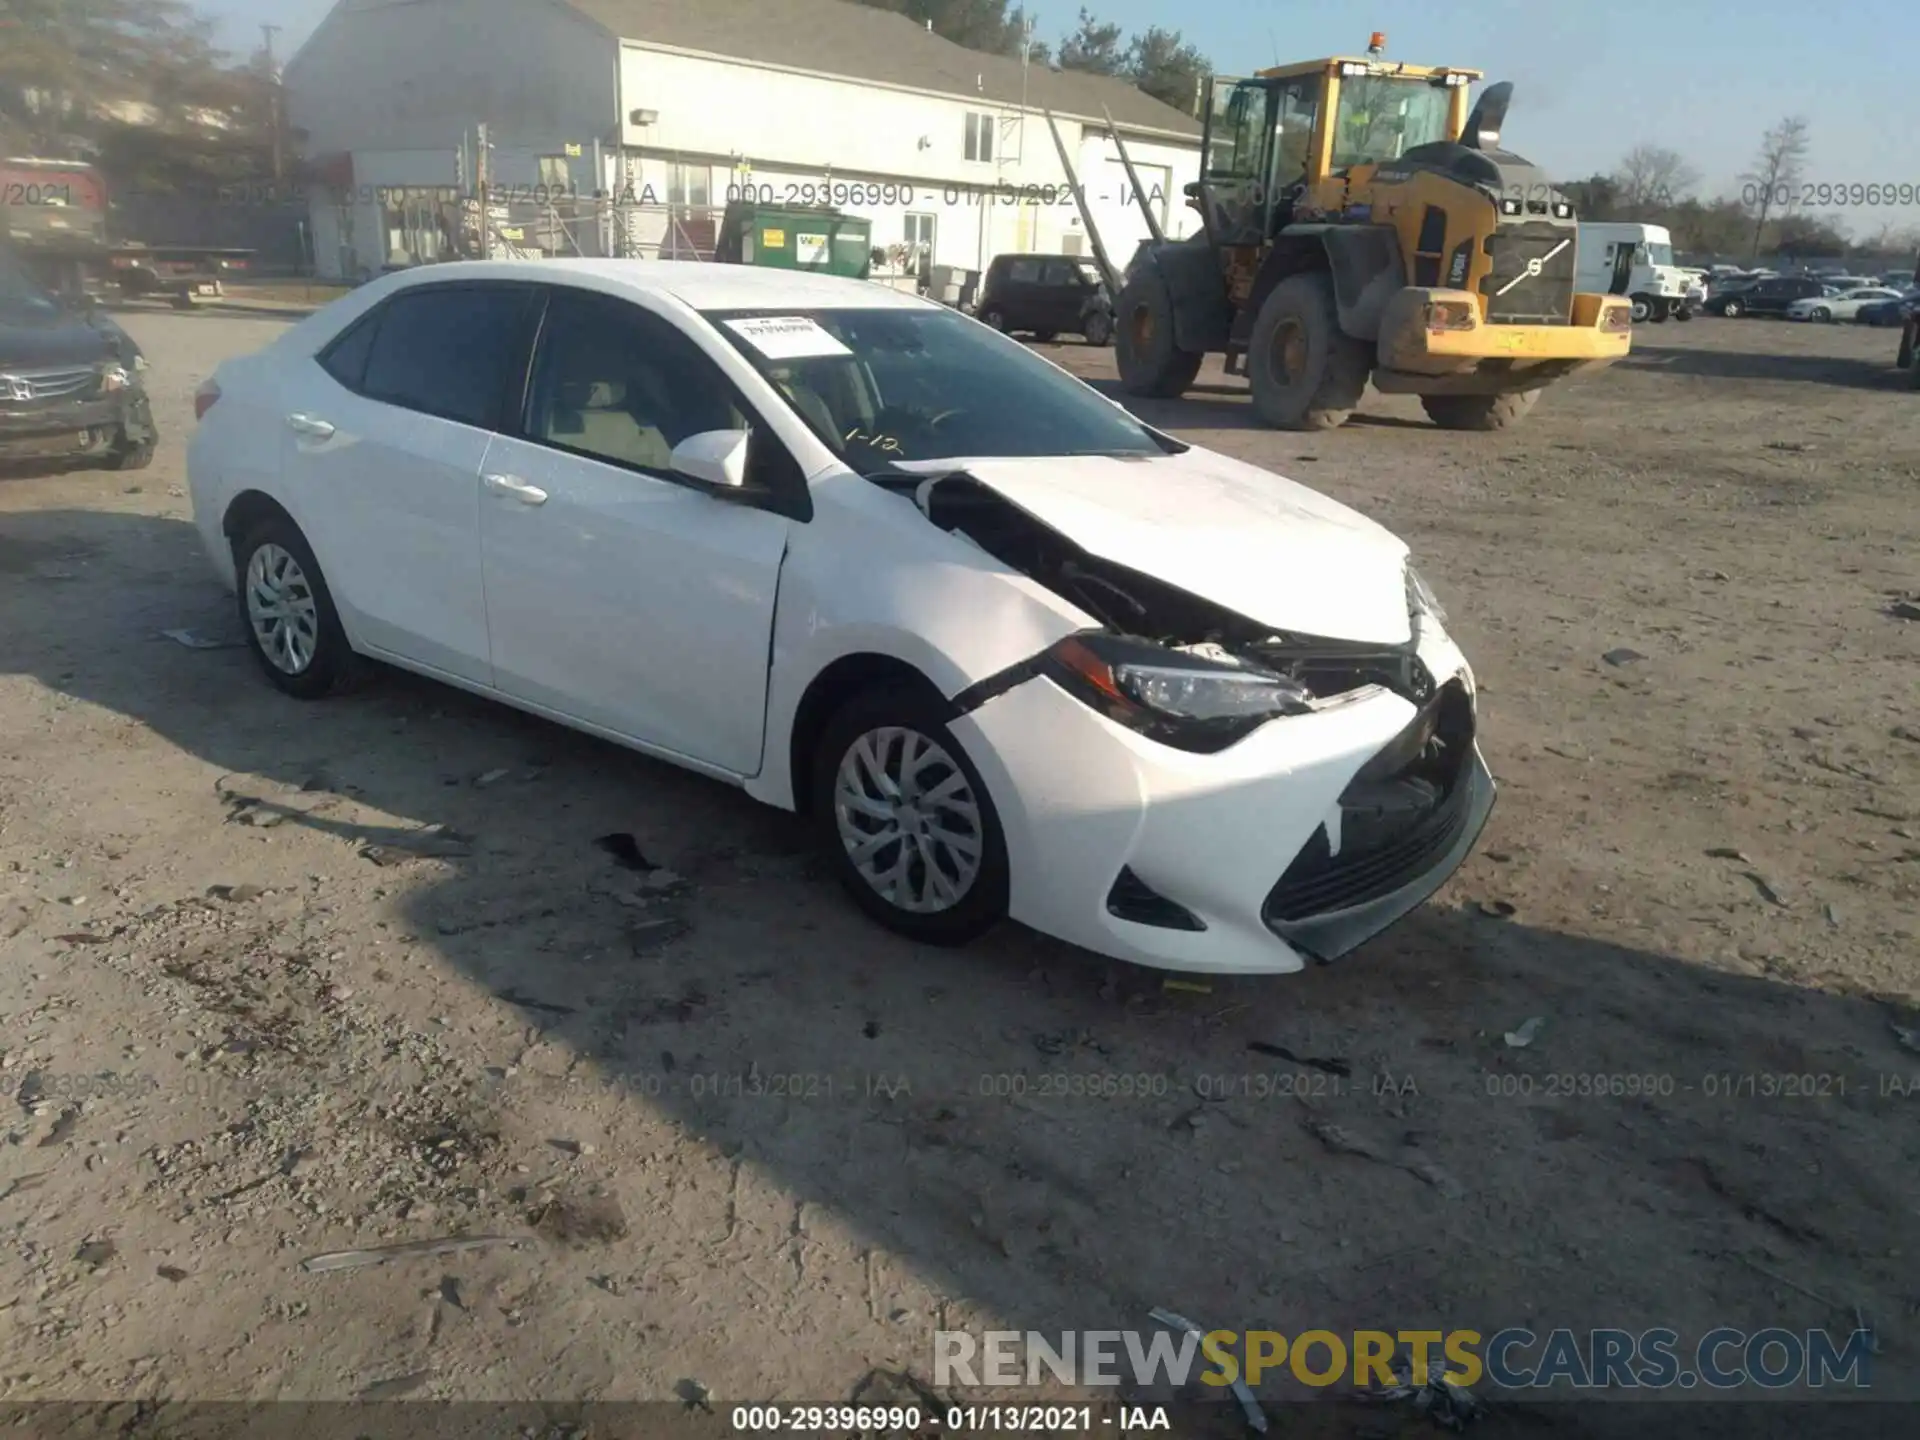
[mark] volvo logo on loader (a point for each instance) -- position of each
(1367, 196)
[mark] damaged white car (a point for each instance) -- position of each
(1014, 652)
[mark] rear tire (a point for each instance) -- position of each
(1733, 310)
(994, 316)
(850, 820)
(1479, 412)
(1306, 372)
(321, 660)
(1144, 348)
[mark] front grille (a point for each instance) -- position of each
(1379, 853)
(1520, 291)
(32, 386)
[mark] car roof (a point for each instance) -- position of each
(702, 284)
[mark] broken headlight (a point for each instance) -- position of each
(1421, 600)
(1192, 702)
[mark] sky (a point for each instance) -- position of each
(1592, 78)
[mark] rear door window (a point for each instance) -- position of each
(345, 357)
(450, 351)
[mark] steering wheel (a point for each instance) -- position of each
(934, 422)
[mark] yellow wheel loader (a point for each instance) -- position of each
(1360, 224)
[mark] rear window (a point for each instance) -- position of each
(447, 351)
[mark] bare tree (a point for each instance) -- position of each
(1652, 177)
(1773, 182)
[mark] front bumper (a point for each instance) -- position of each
(1089, 806)
(1517, 356)
(79, 427)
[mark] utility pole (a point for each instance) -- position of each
(267, 32)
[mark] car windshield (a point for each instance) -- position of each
(1660, 252)
(19, 294)
(884, 385)
(1381, 117)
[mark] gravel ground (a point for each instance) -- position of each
(254, 1011)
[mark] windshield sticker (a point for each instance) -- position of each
(786, 337)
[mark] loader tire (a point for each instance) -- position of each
(1479, 412)
(1144, 348)
(1904, 359)
(1306, 372)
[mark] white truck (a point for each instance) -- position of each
(1626, 258)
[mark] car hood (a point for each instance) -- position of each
(1246, 539)
(36, 339)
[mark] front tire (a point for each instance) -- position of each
(127, 455)
(287, 612)
(1150, 362)
(1099, 331)
(1642, 309)
(1823, 315)
(1733, 309)
(1306, 372)
(906, 819)
(995, 317)
(1479, 412)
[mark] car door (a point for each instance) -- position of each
(619, 594)
(1023, 295)
(1063, 295)
(384, 434)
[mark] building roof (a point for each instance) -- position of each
(859, 42)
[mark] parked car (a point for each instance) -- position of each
(1770, 296)
(1009, 649)
(1844, 306)
(1886, 312)
(70, 380)
(1047, 295)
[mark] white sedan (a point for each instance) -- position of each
(1010, 650)
(1841, 306)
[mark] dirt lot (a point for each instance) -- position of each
(235, 1039)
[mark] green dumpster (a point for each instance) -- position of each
(796, 237)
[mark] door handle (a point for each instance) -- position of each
(307, 425)
(516, 487)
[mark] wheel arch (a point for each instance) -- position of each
(250, 508)
(849, 675)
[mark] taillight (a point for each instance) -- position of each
(203, 399)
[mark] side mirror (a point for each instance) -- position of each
(713, 457)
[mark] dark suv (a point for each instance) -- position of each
(70, 380)
(1047, 295)
(1771, 296)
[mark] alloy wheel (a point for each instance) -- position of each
(282, 610)
(908, 819)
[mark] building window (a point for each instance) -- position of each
(919, 233)
(556, 177)
(687, 186)
(979, 136)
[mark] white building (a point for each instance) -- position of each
(680, 104)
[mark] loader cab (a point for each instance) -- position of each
(1273, 139)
